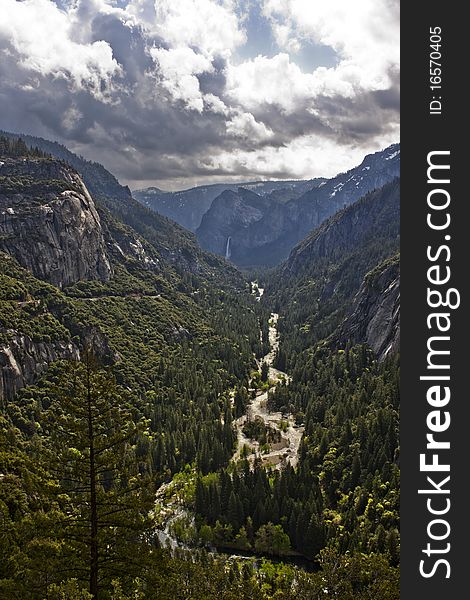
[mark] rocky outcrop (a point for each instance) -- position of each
(375, 317)
(231, 213)
(167, 244)
(317, 285)
(49, 222)
(281, 223)
(96, 342)
(124, 245)
(22, 361)
(186, 207)
(99, 181)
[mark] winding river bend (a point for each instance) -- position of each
(277, 456)
(286, 450)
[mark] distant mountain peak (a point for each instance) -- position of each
(187, 207)
(284, 220)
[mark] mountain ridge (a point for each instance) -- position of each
(374, 318)
(176, 244)
(314, 288)
(53, 233)
(268, 240)
(155, 361)
(187, 207)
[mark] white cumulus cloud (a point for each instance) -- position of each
(274, 80)
(42, 35)
(364, 34)
(244, 125)
(212, 26)
(178, 68)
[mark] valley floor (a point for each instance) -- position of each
(285, 451)
(170, 497)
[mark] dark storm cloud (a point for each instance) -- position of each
(139, 118)
(135, 123)
(389, 99)
(366, 115)
(128, 44)
(139, 115)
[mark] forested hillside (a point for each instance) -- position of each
(314, 289)
(131, 361)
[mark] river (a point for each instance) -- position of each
(279, 455)
(285, 451)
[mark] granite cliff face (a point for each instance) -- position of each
(375, 317)
(172, 243)
(50, 225)
(231, 213)
(280, 225)
(249, 229)
(130, 230)
(23, 360)
(49, 222)
(185, 207)
(71, 264)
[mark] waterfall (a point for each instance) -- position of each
(227, 249)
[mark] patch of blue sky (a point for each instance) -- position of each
(261, 41)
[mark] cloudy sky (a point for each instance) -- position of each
(176, 93)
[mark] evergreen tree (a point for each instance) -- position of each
(264, 371)
(91, 452)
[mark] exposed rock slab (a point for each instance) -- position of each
(263, 230)
(22, 361)
(375, 318)
(49, 222)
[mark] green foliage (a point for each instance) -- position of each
(85, 446)
(87, 507)
(350, 445)
(68, 590)
(314, 294)
(264, 371)
(271, 539)
(264, 434)
(345, 492)
(38, 190)
(198, 576)
(97, 179)
(25, 303)
(174, 350)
